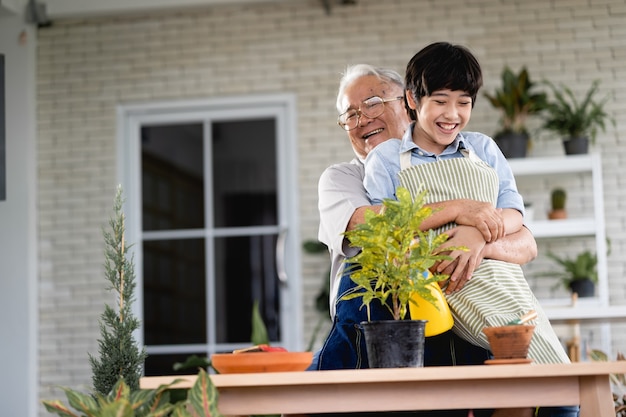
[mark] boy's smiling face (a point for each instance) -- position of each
(440, 118)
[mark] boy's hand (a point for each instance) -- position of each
(463, 263)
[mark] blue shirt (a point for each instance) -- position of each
(383, 164)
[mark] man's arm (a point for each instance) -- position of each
(342, 199)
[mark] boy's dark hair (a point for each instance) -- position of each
(442, 65)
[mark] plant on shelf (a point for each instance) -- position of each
(558, 197)
(577, 122)
(517, 101)
(579, 274)
(393, 265)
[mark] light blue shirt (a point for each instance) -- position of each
(383, 164)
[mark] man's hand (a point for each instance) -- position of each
(487, 219)
(463, 263)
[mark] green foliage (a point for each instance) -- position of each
(258, 335)
(558, 197)
(581, 267)
(569, 117)
(516, 101)
(396, 254)
(119, 354)
(322, 299)
(122, 401)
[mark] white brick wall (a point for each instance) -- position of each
(87, 67)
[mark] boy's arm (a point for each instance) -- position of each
(487, 220)
(513, 221)
(519, 247)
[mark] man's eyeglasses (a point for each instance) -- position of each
(370, 108)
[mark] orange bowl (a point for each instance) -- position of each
(253, 362)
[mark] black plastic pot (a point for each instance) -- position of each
(512, 145)
(576, 146)
(395, 343)
(583, 287)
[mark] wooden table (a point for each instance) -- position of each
(484, 386)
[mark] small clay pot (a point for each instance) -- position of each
(557, 214)
(509, 342)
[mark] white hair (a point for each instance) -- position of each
(354, 72)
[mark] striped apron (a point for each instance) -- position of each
(497, 293)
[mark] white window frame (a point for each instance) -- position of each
(130, 118)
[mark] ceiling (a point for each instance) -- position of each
(62, 9)
(57, 9)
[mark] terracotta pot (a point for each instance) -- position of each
(509, 342)
(557, 214)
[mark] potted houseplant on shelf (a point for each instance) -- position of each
(579, 274)
(558, 197)
(577, 122)
(517, 101)
(393, 268)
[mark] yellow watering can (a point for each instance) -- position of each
(438, 314)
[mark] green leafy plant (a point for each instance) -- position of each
(122, 401)
(116, 374)
(571, 118)
(396, 254)
(119, 354)
(583, 266)
(516, 100)
(322, 299)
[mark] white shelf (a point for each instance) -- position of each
(585, 313)
(562, 228)
(587, 310)
(552, 165)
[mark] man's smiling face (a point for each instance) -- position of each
(391, 124)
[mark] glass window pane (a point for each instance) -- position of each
(172, 177)
(245, 273)
(244, 173)
(157, 365)
(174, 291)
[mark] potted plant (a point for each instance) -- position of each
(557, 199)
(116, 372)
(579, 274)
(393, 267)
(516, 101)
(578, 122)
